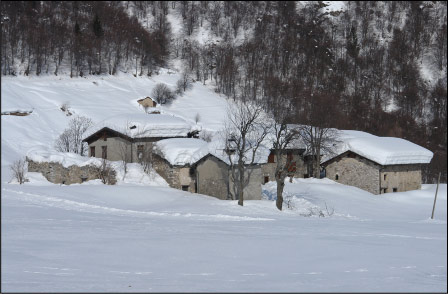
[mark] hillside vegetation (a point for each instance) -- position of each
(366, 65)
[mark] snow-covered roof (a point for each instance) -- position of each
(67, 159)
(217, 149)
(382, 150)
(142, 125)
(182, 151)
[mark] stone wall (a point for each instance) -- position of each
(401, 178)
(176, 177)
(56, 173)
(355, 171)
(212, 178)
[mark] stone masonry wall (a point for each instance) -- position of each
(176, 177)
(357, 171)
(402, 178)
(56, 173)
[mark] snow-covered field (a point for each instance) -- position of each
(141, 235)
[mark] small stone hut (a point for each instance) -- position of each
(147, 102)
(376, 164)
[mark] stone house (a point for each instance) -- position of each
(130, 137)
(147, 102)
(213, 177)
(377, 164)
(297, 169)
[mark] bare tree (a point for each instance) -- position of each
(284, 137)
(71, 139)
(245, 130)
(18, 170)
(162, 93)
(183, 84)
(319, 141)
(106, 173)
(145, 156)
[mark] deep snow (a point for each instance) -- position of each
(141, 235)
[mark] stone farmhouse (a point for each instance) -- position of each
(376, 164)
(129, 136)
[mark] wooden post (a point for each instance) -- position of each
(435, 198)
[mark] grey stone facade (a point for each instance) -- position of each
(268, 169)
(213, 178)
(179, 177)
(56, 173)
(354, 170)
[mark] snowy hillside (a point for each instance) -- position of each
(141, 235)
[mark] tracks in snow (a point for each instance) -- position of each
(52, 201)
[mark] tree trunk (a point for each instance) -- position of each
(280, 186)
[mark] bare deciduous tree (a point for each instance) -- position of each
(71, 139)
(245, 130)
(318, 140)
(162, 93)
(18, 169)
(284, 136)
(106, 172)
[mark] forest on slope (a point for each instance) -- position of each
(373, 66)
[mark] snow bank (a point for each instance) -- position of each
(67, 159)
(382, 150)
(182, 151)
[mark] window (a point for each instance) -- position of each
(384, 190)
(266, 179)
(385, 176)
(92, 151)
(395, 189)
(337, 177)
(185, 188)
(104, 152)
(271, 157)
(140, 151)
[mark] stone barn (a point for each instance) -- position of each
(376, 164)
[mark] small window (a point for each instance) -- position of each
(185, 188)
(395, 189)
(83, 179)
(266, 179)
(384, 190)
(385, 176)
(92, 151)
(104, 152)
(337, 177)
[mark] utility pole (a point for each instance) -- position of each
(435, 198)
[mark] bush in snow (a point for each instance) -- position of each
(71, 139)
(18, 168)
(106, 173)
(162, 94)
